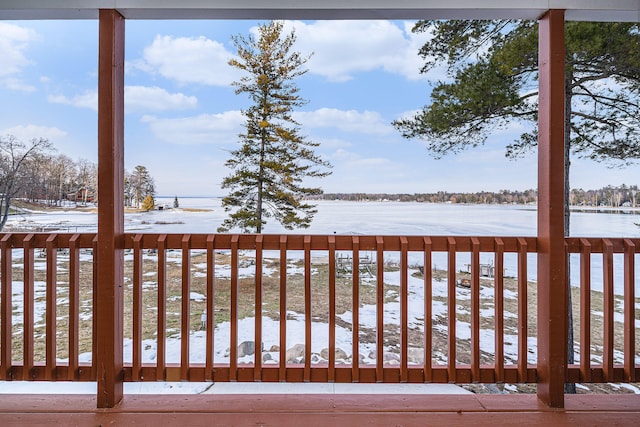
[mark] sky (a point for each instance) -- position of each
(182, 116)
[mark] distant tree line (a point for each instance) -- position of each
(57, 179)
(623, 195)
(482, 197)
(54, 179)
(32, 171)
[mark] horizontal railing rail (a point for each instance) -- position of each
(319, 308)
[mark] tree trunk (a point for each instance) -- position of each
(60, 191)
(5, 207)
(569, 388)
(260, 181)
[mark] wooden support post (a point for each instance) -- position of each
(108, 303)
(552, 289)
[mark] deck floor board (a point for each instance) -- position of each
(319, 410)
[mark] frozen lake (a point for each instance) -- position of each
(379, 218)
(398, 218)
(372, 218)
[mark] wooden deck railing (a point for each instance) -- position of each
(404, 309)
(615, 349)
(32, 342)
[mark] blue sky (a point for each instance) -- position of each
(183, 117)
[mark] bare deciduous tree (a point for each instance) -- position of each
(14, 154)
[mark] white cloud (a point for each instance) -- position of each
(371, 162)
(224, 127)
(143, 98)
(353, 171)
(28, 132)
(14, 40)
(188, 60)
(342, 155)
(365, 122)
(343, 48)
(340, 50)
(219, 129)
(351, 159)
(17, 84)
(137, 99)
(88, 99)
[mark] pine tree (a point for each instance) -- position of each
(141, 185)
(148, 204)
(494, 67)
(273, 158)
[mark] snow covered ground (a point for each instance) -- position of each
(368, 218)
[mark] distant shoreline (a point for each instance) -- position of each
(531, 206)
(23, 207)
